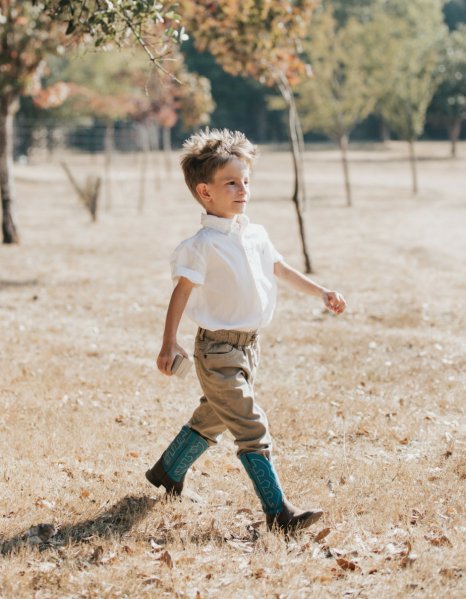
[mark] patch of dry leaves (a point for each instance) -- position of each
(366, 410)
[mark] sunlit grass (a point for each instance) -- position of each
(366, 410)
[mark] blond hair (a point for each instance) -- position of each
(207, 151)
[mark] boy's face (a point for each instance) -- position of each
(228, 192)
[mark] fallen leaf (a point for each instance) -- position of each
(133, 454)
(408, 560)
(416, 515)
(109, 558)
(45, 503)
(244, 546)
(156, 545)
(231, 469)
(451, 572)
(322, 578)
(346, 564)
(47, 566)
(166, 558)
(442, 541)
(321, 535)
(152, 580)
(401, 550)
(97, 554)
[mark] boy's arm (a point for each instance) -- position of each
(333, 300)
(176, 307)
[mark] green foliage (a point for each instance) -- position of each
(151, 23)
(412, 34)
(122, 83)
(449, 102)
(252, 37)
(343, 10)
(241, 102)
(341, 91)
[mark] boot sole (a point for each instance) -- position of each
(311, 519)
(153, 481)
(296, 524)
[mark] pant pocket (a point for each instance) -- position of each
(214, 350)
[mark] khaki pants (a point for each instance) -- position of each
(226, 364)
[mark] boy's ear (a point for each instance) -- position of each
(202, 191)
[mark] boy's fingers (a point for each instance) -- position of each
(164, 365)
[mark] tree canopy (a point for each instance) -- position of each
(448, 106)
(342, 91)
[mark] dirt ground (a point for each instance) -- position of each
(366, 409)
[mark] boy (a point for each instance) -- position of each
(224, 279)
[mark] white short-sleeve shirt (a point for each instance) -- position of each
(230, 262)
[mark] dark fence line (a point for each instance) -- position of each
(130, 136)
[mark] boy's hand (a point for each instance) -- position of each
(167, 355)
(334, 301)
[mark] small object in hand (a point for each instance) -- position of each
(181, 366)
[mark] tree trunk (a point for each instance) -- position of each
(109, 143)
(145, 147)
(10, 234)
(167, 149)
(384, 131)
(155, 138)
(454, 131)
(343, 142)
(50, 142)
(298, 198)
(412, 159)
(87, 193)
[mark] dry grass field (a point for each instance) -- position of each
(366, 409)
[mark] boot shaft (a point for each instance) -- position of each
(265, 480)
(182, 452)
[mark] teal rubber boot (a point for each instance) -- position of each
(169, 471)
(280, 513)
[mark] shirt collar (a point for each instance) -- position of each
(225, 225)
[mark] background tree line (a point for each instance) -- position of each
(360, 68)
(243, 103)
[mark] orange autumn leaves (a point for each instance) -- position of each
(255, 38)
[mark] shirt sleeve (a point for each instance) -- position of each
(188, 261)
(276, 256)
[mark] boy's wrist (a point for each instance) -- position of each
(169, 342)
(322, 292)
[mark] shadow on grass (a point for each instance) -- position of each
(7, 283)
(114, 522)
